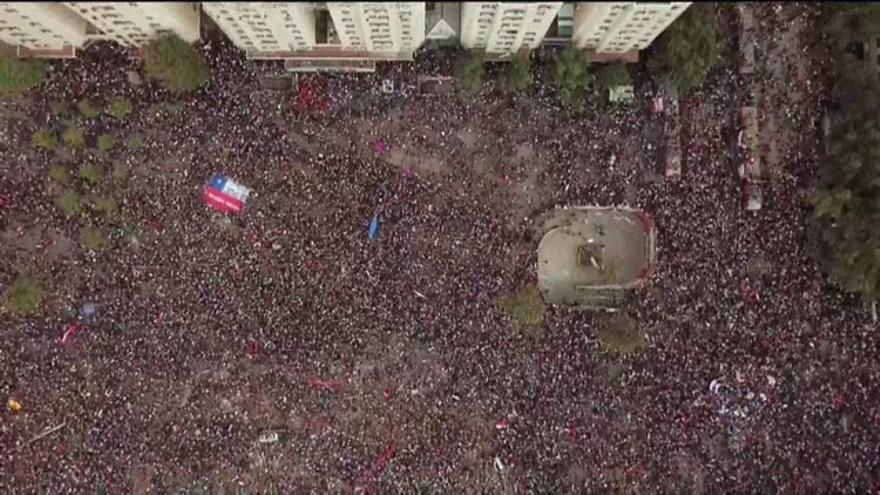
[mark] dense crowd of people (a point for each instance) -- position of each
(283, 350)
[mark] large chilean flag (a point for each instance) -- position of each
(225, 195)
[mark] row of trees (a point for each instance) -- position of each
(686, 52)
(847, 200)
(570, 73)
(174, 63)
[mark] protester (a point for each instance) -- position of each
(385, 364)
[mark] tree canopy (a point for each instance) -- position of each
(847, 205)
(175, 63)
(471, 70)
(688, 49)
(571, 75)
(612, 76)
(18, 76)
(518, 73)
(850, 21)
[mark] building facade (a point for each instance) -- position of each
(349, 36)
(41, 29)
(506, 27)
(396, 29)
(343, 35)
(262, 29)
(135, 23)
(57, 29)
(618, 27)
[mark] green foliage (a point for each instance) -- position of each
(847, 205)
(525, 307)
(611, 76)
(852, 22)
(120, 171)
(105, 205)
(25, 295)
(58, 173)
(518, 73)
(92, 238)
(688, 50)
(119, 107)
(175, 63)
(59, 108)
(620, 335)
(18, 76)
(73, 137)
(471, 70)
(855, 90)
(135, 142)
(571, 76)
(91, 173)
(69, 203)
(88, 109)
(45, 140)
(105, 142)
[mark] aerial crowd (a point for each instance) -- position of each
(283, 350)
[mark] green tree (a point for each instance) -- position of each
(88, 108)
(73, 137)
(106, 205)
(18, 76)
(471, 70)
(69, 203)
(855, 90)
(175, 63)
(92, 238)
(105, 142)
(688, 50)
(571, 75)
(91, 173)
(135, 142)
(58, 173)
(518, 73)
(849, 21)
(25, 295)
(611, 76)
(620, 335)
(526, 308)
(847, 205)
(119, 107)
(44, 139)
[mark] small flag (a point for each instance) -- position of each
(379, 147)
(374, 227)
(658, 104)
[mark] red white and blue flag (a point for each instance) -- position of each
(225, 195)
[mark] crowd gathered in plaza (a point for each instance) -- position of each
(284, 351)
